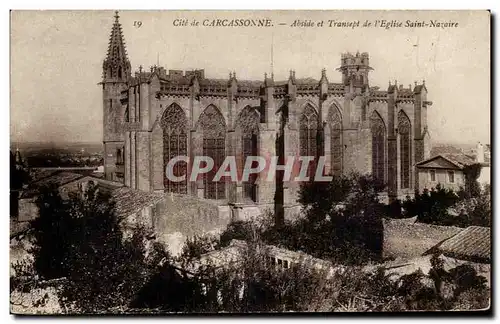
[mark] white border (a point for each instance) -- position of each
(187, 4)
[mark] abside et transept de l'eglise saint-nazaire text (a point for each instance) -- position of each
(153, 116)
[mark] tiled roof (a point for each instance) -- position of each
(37, 175)
(130, 201)
(472, 244)
(58, 179)
(460, 159)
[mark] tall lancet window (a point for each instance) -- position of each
(404, 130)
(308, 132)
(378, 146)
(213, 127)
(248, 125)
(335, 120)
(174, 125)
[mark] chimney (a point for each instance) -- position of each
(479, 153)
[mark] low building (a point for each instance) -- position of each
(443, 169)
(447, 168)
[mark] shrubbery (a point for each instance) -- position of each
(80, 249)
(80, 241)
(342, 221)
(441, 206)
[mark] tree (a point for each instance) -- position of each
(432, 206)
(472, 186)
(342, 221)
(81, 240)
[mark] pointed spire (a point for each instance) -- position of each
(116, 65)
(323, 76)
(19, 158)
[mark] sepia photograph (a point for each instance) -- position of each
(250, 162)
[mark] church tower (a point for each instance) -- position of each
(355, 70)
(116, 72)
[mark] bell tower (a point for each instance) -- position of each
(355, 70)
(116, 72)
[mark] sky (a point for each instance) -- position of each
(56, 61)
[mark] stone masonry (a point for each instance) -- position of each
(150, 116)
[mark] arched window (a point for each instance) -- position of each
(335, 120)
(404, 130)
(174, 125)
(213, 127)
(119, 156)
(127, 116)
(308, 132)
(248, 124)
(378, 146)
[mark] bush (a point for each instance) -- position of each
(441, 206)
(342, 221)
(81, 240)
(432, 206)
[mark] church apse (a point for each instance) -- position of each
(189, 113)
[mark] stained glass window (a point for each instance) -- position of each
(213, 127)
(248, 123)
(378, 146)
(308, 131)
(174, 125)
(335, 120)
(404, 130)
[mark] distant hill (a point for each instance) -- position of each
(68, 147)
(445, 148)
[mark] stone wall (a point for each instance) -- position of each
(178, 217)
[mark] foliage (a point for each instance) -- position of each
(237, 230)
(103, 270)
(379, 291)
(248, 285)
(81, 239)
(441, 206)
(342, 221)
(432, 206)
(476, 211)
(196, 246)
(472, 187)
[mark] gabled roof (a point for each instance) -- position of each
(58, 179)
(471, 244)
(457, 161)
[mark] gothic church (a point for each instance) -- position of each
(153, 116)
